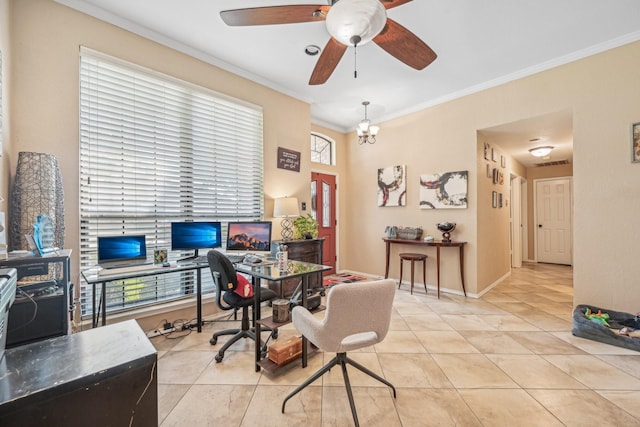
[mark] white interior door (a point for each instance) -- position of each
(553, 220)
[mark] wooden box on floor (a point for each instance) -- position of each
(282, 352)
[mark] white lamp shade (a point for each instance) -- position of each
(373, 130)
(284, 207)
(363, 18)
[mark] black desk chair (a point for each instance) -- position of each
(226, 281)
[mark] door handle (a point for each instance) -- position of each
(539, 225)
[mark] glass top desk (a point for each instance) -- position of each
(95, 277)
(272, 272)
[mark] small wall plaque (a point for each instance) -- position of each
(288, 159)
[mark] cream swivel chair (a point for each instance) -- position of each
(358, 315)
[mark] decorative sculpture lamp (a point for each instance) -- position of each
(37, 190)
(446, 228)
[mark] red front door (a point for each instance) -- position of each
(323, 208)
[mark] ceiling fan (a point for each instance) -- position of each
(350, 23)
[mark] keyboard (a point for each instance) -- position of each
(235, 258)
(128, 269)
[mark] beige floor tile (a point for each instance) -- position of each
(472, 371)
(426, 322)
(594, 373)
(237, 367)
(499, 407)
(628, 401)
(265, 408)
(419, 407)
(183, 367)
(575, 407)
(494, 342)
(544, 343)
(413, 370)
(593, 347)
(445, 342)
(532, 371)
(374, 406)
(454, 361)
(211, 405)
(626, 363)
(467, 322)
(507, 322)
(400, 342)
(168, 396)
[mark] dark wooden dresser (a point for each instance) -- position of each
(307, 250)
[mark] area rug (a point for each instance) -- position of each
(336, 279)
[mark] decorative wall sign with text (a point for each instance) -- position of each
(288, 159)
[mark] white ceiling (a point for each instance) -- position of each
(479, 44)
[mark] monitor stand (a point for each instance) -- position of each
(189, 258)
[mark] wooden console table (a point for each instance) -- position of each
(438, 244)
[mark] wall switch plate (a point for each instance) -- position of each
(304, 206)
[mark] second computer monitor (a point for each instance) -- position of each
(249, 236)
(186, 236)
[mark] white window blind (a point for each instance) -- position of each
(154, 150)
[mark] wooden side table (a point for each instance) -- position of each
(438, 244)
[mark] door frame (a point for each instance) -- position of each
(516, 221)
(337, 208)
(535, 213)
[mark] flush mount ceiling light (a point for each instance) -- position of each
(366, 132)
(541, 151)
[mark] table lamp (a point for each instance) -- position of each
(285, 208)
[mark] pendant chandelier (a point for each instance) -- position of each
(366, 132)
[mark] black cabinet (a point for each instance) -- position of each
(100, 377)
(41, 307)
(307, 250)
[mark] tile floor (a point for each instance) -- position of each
(507, 359)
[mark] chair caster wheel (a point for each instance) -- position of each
(219, 358)
(322, 293)
(213, 341)
(274, 334)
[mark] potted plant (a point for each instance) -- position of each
(306, 227)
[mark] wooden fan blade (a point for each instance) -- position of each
(404, 45)
(270, 15)
(327, 62)
(389, 4)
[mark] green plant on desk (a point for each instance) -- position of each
(306, 227)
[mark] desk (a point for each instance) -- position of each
(304, 270)
(438, 244)
(93, 278)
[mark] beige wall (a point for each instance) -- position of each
(5, 48)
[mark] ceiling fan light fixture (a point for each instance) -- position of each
(541, 151)
(362, 18)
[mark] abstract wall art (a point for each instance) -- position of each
(446, 190)
(392, 186)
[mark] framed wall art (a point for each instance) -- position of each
(446, 190)
(494, 199)
(635, 143)
(392, 186)
(503, 161)
(487, 151)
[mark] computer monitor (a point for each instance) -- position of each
(121, 251)
(187, 236)
(252, 237)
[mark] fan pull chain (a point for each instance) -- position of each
(355, 62)
(355, 40)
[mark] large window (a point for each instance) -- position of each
(154, 150)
